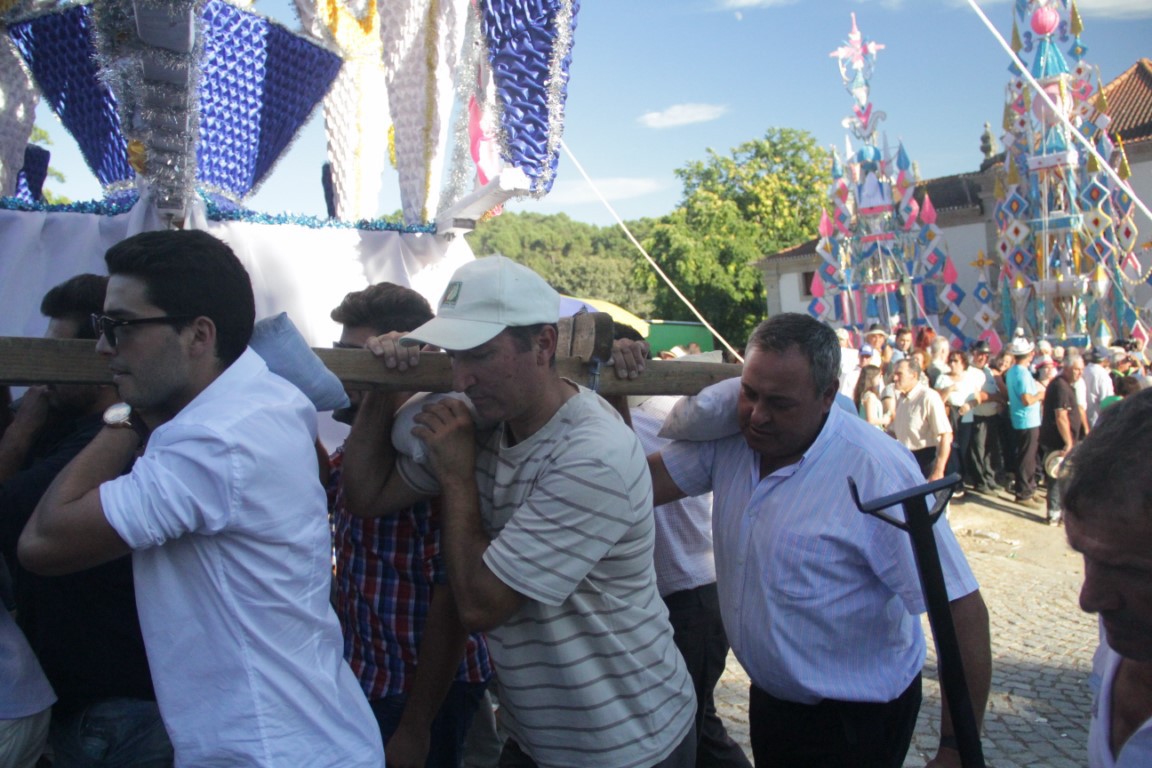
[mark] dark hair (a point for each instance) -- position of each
(77, 298)
(523, 336)
(1126, 386)
(867, 379)
(1103, 474)
(911, 363)
(959, 354)
(384, 307)
(815, 340)
(189, 272)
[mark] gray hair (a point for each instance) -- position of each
(815, 340)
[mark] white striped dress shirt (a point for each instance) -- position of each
(818, 599)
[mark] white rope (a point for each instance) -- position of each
(655, 266)
(1105, 165)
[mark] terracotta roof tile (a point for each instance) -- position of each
(1130, 102)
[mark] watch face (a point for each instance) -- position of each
(117, 414)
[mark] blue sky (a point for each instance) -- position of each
(656, 83)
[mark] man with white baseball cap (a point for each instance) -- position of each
(547, 531)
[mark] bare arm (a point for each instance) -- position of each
(372, 485)
(68, 531)
(970, 615)
(441, 648)
(1064, 427)
(943, 451)
(484, 601)
(664, 488)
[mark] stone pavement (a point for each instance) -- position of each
(1042, 643)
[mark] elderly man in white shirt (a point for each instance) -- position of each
(921, 423)
(820, 601)
(1097, 382)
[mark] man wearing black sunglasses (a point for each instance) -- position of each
(82, 626)
(223, 512)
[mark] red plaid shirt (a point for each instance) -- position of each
(385, 571)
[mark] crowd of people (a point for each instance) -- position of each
(196, 582)
(1002, 420)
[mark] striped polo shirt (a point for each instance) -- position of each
(588, 671)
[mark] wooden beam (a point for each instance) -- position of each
(25, 361)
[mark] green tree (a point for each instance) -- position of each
(762, 198)
(576, 258)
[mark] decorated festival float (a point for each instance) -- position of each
(884, 260)
(181, 109)
(1070, 262)
(1043, 237)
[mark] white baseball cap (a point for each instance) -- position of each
(483, 298)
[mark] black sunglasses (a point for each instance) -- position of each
(106, 326)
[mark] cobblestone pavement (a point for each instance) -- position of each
(1042, 643)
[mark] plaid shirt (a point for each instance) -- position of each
(385, 569)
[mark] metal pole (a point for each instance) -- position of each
(918, 522)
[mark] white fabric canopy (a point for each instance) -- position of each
(301, 270)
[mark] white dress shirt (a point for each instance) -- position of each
(232, 566)
(819, 600)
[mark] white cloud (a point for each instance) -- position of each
(1090, 9)
(683, 114)
(729, 5)
(1115, 9)
(578, 192)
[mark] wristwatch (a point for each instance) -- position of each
(119, 416)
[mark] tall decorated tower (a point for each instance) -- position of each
(1066, 238)
(885, 259)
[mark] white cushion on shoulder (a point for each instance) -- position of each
(710, 415)
(402, 438)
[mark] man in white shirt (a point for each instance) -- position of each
(1097, 380)
(820, 600)
(921, 424)
(223, 512)
(849, 363)
(1109, 522)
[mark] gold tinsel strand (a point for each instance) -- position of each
(392, 145)
(1076, 24)
(1123, 170)
(1013, 172)
(138, 156)
(338, 18)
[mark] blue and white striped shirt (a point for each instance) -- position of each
(819, 600)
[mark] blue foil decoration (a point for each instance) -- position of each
(259, 83)
(60, 53)
(529, 48)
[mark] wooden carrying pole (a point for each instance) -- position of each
(585, 345)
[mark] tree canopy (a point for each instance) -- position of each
(576, 258)
(762, 198)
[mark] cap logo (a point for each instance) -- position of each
(451, 294)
